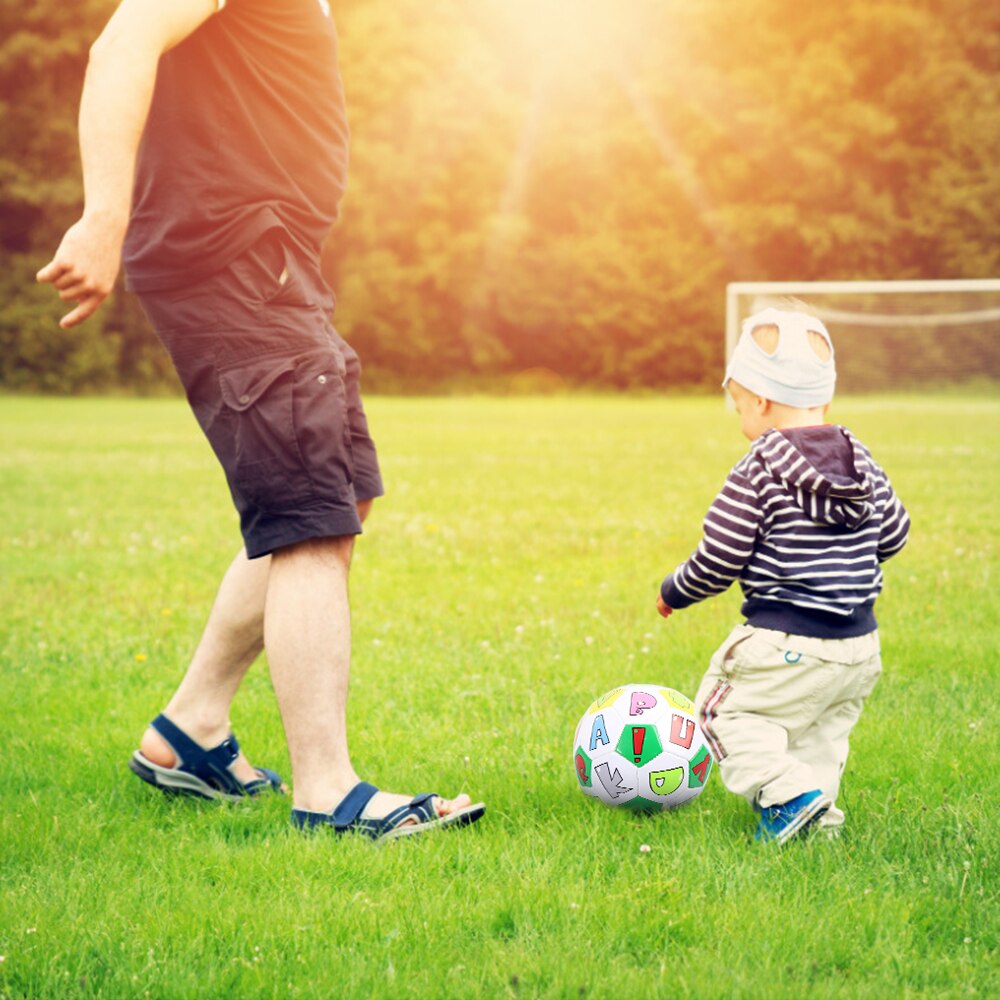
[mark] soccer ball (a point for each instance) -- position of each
(639, 746)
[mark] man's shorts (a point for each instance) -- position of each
(276, 391)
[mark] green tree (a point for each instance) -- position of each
(529, 193)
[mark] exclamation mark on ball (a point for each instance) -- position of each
(638, 735)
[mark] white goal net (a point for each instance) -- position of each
(891, 334)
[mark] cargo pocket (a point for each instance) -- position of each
(322, 428)
(266, 467)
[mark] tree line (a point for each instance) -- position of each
(559, 195)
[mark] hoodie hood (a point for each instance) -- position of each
(824, 470)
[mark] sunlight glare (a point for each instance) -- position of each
(572, 35)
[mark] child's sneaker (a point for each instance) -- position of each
(782, 822)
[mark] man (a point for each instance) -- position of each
(214, 146)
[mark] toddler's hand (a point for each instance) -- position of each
(663, 608)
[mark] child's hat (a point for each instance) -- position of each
(794, 374)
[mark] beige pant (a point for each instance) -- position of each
(777, 710)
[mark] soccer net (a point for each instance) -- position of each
(891, 334)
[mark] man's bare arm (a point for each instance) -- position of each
(117, 92)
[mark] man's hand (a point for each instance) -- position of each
(663, 608)
(85, 266)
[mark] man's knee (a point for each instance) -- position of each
(336, 549)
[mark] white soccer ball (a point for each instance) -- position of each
(640, 746)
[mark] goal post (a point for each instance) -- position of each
(891, 334)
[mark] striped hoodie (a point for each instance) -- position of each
(804, 521)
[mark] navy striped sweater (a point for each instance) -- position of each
(804, 521)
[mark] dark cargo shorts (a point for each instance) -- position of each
(276, 391)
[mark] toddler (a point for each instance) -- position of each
(804, 521)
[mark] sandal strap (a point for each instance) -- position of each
(211, 766)
(353, 805)
(346, 817)
(419, 807)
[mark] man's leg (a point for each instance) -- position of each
(232, 639)
(309, 653)
(307, 632)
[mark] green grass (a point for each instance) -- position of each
(506, 580)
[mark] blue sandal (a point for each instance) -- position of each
(346, 818)
(200, 772)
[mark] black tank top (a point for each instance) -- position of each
(247, 131)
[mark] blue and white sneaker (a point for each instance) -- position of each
(782, 822)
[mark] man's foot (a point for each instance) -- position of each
(383, 816)
(779, 823)
(383, 803)
(156, 749)
(170, 760)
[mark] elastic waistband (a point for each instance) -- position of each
(803, 621)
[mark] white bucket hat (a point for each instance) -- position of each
(794, 374)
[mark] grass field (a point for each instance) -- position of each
(506, 580)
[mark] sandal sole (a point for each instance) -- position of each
(464, 817)
(170, 781)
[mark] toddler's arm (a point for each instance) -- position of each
(895, 522)
(729, 534)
